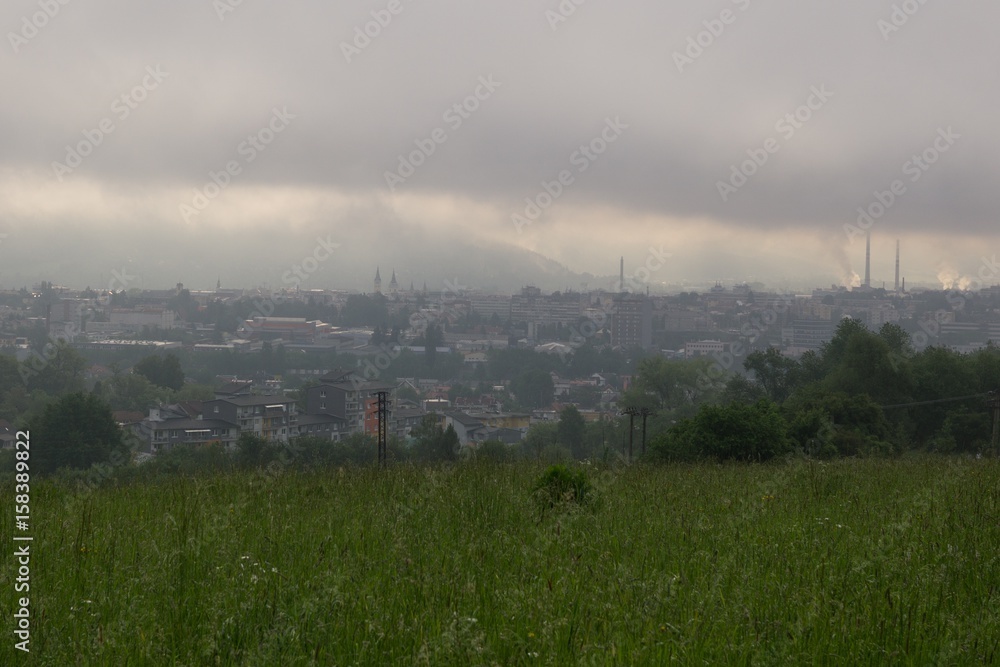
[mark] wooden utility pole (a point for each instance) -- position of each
(994, 403)
(631, 412)
(645, 412)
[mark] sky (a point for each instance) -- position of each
(262, 143)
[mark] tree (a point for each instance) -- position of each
(76, 431)
(570, 431)
(493, 451)
(130, 391)
(727, 432)
(675, 382)
(10, 376)
(194, 392)
(858, 424)
(162, 371)
(940, 373)
(775, 373)
(539, 437)
(533, 388)
(364, 310)
(434, 443)
(857, 361)
(55, 373)
(273, 359)
(739, 389)
(432, 338)
(183, 304)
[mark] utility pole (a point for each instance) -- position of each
(993, 399)
(645, 412)
(383, 426)
(631, 412)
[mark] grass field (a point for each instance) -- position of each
(857, 562)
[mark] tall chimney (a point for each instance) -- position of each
(897, 266)
(621, 279)
(868, 260)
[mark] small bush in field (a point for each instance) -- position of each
(560, 486)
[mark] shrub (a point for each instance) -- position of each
(559, 487)
(493, 451)
(742, 432)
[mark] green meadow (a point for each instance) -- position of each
(851, 562)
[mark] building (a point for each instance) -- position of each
(469, 429)
(347, 395)
(136, 319)
(488, 305)
(807, 334)
(405, 419)
(532, 307)
(287, 329)
(320, 426)
(632, 321)
(269, 417)
(703, 348)
(169, 432)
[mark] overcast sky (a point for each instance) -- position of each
(115, 115)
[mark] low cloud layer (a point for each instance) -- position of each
(747, 136)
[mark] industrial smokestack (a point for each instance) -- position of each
(868, 260)
(621, 278)
(897, 266)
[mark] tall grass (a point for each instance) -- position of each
(850, 562)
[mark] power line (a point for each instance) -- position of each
(939, 400)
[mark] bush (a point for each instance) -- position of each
(493, 451)
(560, 487)
(253, 451)
(727, 432)
(851, 425)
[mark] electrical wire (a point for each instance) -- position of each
(939, 400)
